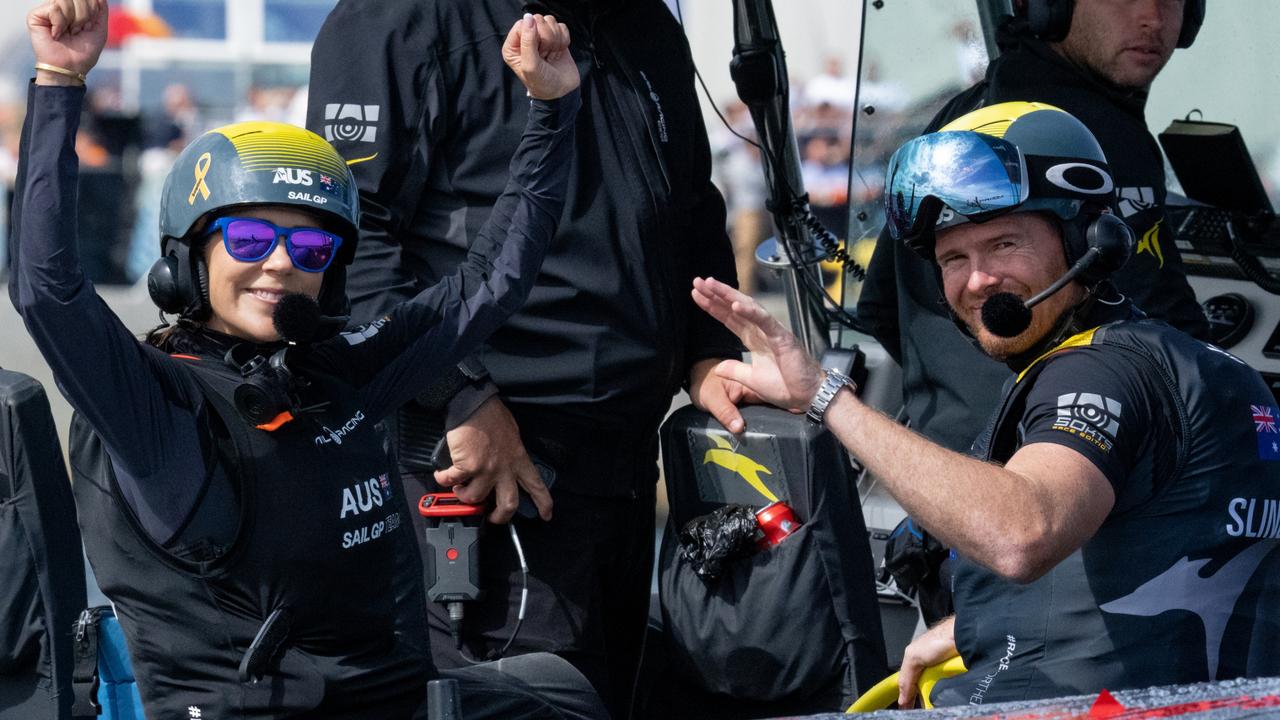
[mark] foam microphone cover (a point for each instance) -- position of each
(297, 318)
(1006, 315)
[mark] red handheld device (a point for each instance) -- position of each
(453, 553)
(446, 505)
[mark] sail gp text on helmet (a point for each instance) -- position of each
(308, 197)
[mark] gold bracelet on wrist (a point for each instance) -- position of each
(61, 71)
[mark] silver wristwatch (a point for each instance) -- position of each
(827, 392)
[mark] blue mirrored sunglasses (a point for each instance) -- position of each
(251, 239)
(976, 175)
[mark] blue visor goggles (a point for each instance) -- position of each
(975, 175)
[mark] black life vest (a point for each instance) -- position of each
(1183, 586)
(321, 535)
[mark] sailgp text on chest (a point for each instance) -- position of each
(336, 435)
(362, 497)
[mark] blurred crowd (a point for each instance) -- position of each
(844, 181)
(124, 157)
(821, 111)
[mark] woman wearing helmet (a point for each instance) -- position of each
(231, 484)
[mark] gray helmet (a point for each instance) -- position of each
(249, 163)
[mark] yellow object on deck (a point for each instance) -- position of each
(884, 693)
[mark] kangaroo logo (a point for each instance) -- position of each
(743, 466)
(1182, 587)
(291, 176)
(1150, 243)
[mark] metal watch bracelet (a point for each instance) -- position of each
(827, 392)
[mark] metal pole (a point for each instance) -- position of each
(989, 14)
(759, 71)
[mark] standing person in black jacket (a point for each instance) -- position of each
(255, 552)
(1100, 71)
(410, 94)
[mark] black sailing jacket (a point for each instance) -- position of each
(412, 93)
(1179, 583)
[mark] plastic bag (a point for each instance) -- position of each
(709, 541)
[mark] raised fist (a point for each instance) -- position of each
(537, 49)
(69, 34)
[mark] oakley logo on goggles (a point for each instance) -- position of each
(977, 176)
(251, 240)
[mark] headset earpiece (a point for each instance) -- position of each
(200, 307)
(1192, 19)
(1049, 20)
(1113, 239)
(179, 282)
(162, 285)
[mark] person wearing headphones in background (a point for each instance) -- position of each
(236, 500)
(1118, 526)
(1096, 59)
(580, 379)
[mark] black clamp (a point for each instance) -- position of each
(268, 395)
(266, 646)
(84, 664)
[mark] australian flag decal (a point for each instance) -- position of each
(1264, 424)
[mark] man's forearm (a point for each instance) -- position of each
(989, 514)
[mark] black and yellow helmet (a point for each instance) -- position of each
(1010, 157)
(249, 163)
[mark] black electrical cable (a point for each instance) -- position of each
(524, 601)
(1249, 263)
(798, 211)
(829, 241)
(707, 92)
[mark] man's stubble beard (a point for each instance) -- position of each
(1043, 319)
(1001, 349)
(1085, 51)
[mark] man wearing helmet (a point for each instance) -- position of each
(1117, 528)
(1095, 59)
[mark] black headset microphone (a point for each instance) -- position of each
(1110, 244)
(299, 319)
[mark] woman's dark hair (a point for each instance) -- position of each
(176, 337)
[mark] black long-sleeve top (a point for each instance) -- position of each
(144, 404)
